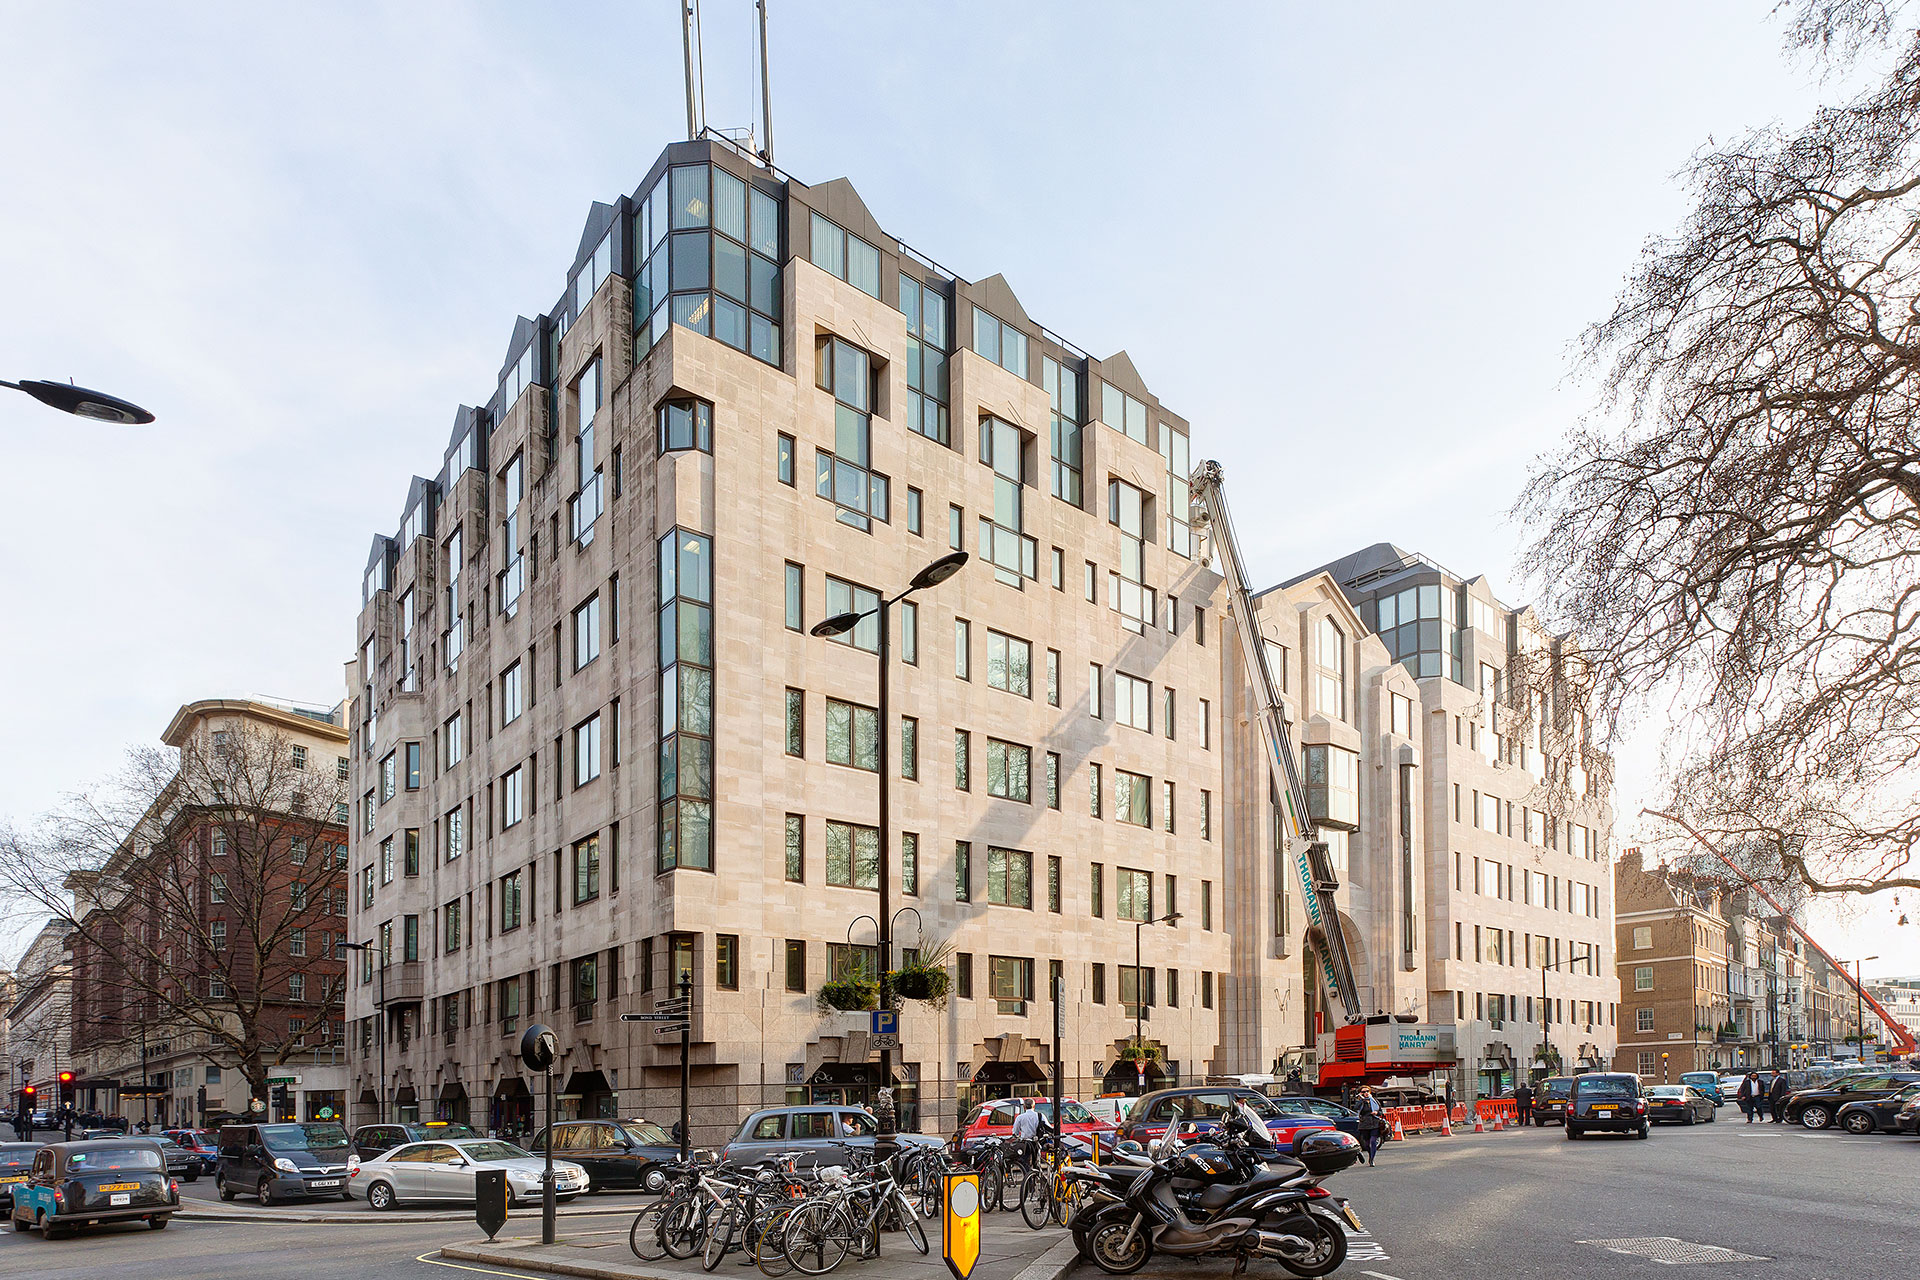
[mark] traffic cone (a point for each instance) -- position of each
(1446, 1126)
(1399, 1134)
(1479, 1125)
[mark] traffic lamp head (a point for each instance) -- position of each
(66, 1077)
(30, 1091)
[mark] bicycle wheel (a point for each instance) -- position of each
(646, 1240)
(769, 1245)
(681, 1231)
(1036, 1198)
(990, 1188)
(719, 1238)
(910, 1223)
(816, 1241)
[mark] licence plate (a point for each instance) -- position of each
(124, 1197)
(21, 1178)
(121, 1186)
(1353, 1219)
(325, 1182)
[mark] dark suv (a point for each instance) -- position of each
(1606, 1102)
(1550, 1100)
(1815, 1108)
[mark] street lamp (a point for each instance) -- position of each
(838, 625)
(82, 402)
(1140, 996)
(382, 1002)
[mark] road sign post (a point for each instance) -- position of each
(685, 1003)
(539, 1046)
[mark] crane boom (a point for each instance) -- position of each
(1901, 1038)
(1309, 854)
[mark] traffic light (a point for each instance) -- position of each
(66, 1085)
(279, 1100)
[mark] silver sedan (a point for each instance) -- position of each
(1678, 1104)
(443, 1171)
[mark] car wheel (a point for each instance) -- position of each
(1816, 1117)
(1691, 1118)
(380, 1197)
(157, 1224)
(220, 1185)
(654, 1180)
(21, 1224)
(1857, 1122)
(193, 1176)
(1643, 1131)
(265, 1192)
(1573, 1131)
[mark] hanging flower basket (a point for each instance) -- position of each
(1136, 1052)
(849, 995)
(930, 985)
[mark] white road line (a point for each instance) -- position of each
(1379, 1275)
(430, 1258)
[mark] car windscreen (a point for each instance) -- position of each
(648, 1134)
(1604, 1088)
(105, 1158)
(487, 1150)
(1667, 1091)
(443, 1129)
(1554, 1088)
(303, 1137)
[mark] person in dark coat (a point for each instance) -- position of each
(1777, 1097)
(1373, 1123)
(1523, 1102)
(1749, 1095)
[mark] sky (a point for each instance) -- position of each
(1353, 245)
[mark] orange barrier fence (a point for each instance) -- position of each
(1432, 1119)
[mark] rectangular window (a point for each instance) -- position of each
(1053, 780)
(1206, 815)
(796, 965)
(847, 597)
(1009, 878)
(512, 797)
(450, 733)
(962, 871)
(1053, 677)
(1132, 794)
(686, 424)
(726, 961)
(963, 975)
(853, 856)
(910, 863)
(586, 869)
(1004, 542)
(783, 458)
(512, 900)
(915, 502)
(962, 764)
(1643, 1019)
(796, 723)
(512, 695)
(586, 751)
(1097, 892)
(910, 633)
(450, 918)
(926, 308)
(1642, 937)
(962, 645)
(412, 772)
(1643, 977)
(999, 342)
(455, 827)
(796, 597)
(1133, 894)
(909, 748)
(1009, 664)
(1092, 584)
(1123, 413)
(956, 527)
(1093, 789)
(586, 632)
(796, 849)
(388, 777)
(1009, 770)
(1057, 571)
(1333, 785)
(1093, 690)
(1063, 388)
(1166, 804)
(1099, 984)
(1132, 702)
(1053, 883)
(853, 735)
(1010, 982)
(843, 475)
(840, 253)
(1206, 725)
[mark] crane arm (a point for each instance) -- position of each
(1308, 854)
(1897, 1034)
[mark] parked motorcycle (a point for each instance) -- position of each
(1232, 1194)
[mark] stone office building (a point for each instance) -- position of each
(596, 750)
(1511, 923)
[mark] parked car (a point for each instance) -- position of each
(1202, 1105)
(1345, 1119)
(1707, 1082)
(1112, 1110)
(371, 1140)
(814, 1130)
(1678, 1104)
(1907, 1119)
(203, 1143)
(283, 1161)
(1868, 1114)
(995, 1120)
(1815, 1108)
(615, 1153)
(1606, 1102)
(76, 1184)
(16, 1159)
(417, 1171)
(181, 1163)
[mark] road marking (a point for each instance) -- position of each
(517, 1275)
(1379, 1275)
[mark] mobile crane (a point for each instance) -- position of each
(1308, 853)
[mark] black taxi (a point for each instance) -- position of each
(1550, 1100)
(77, 1184)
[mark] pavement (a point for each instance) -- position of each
(201, 1202)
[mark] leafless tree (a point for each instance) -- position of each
(202, 886)
(1738, 548)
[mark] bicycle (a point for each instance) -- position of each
(1047, 1194)
(820, 1232)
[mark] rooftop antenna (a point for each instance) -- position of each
(766, 89)
(688, 18)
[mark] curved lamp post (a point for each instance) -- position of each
(838, 625)
(83, 402)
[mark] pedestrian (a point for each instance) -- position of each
(1748, 1095)
(1523, 1102)
(1777, 1096)
(1026, 1128)
(1373, 1123)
